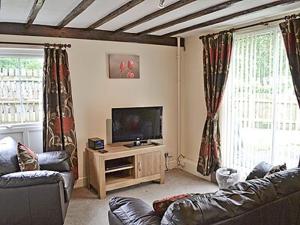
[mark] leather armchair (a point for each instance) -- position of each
(34, 197)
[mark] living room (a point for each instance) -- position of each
(223, 77)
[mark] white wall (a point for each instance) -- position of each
(94, 94)
(193, 103)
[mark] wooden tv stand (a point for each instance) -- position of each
(121, 167)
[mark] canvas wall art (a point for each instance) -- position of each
(124, 66)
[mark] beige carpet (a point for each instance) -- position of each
(86, 209)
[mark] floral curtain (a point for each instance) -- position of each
(58, 125)
(291, 35)
(216, 60)
(290, 30)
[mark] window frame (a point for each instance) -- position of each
(21, 52)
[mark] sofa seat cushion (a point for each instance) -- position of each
(27, 158)
(68, 184)
(8, 156)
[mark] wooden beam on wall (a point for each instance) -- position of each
(155, 14)
(194, 15)
(83, 5)
(117, 12)
(37, 5)
(231, 16)
(79, 33)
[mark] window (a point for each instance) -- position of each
(21, 72)
(260, 117)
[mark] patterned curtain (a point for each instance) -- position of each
(58, 127)
(291, 35)
(216, 60)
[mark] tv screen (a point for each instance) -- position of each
(129, 124)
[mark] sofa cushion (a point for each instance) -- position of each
(160, 206)
(276, 169)
(27, 158)
(132, 211)
(68, 184)
(8, 156)
(259, 171)
(285, 182)
(55, 161)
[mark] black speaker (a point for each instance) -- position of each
(96, 143)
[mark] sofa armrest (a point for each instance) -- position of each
(132, 211)
(29, 178)
(55, 161)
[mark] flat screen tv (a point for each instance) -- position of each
(139, 123)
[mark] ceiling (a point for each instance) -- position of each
(53, 12)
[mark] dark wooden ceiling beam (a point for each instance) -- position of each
(195, 15)
(83, 5)
(124, 8)
(155, 14)
(79, 33)
(37, 5)
(231, 16)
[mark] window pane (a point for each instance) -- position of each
(20, 89)
(260, 115)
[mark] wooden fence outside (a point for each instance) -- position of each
(20, 96)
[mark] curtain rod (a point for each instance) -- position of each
(253, 25)
(37, 44)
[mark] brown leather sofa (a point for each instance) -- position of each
(34, 197)
(274, 200)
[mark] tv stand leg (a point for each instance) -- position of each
(101, 178)
(162, 169)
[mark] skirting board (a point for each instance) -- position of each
(82, 181)
(191, 167)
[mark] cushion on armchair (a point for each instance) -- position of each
(55, 161)
(27, 158)
(8, 156)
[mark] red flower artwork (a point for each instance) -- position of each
(130, 74)
(130, 64)
(124, 66)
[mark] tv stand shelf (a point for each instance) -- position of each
(122, 167)
(119, 168)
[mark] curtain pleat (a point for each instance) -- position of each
(291, 35)
(58, 125)
(216, 60)
(290, 30)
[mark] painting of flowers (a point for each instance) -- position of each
(124, 66)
